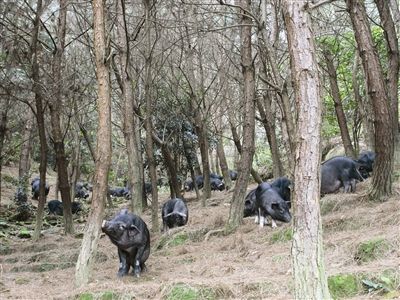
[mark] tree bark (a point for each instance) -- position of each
(37, 90)
(384, 133)
(26, 149)
(392, 45)
(148, 122)
(246, 159)
(307, 249)
(257, 178)
(266, 120)
(135, 170)
(364, 106)
(341, 117)
(3, 129)
(55, 111)
(89, 245)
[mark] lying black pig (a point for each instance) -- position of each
(132, 238)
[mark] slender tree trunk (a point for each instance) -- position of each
(74, 164)
(384, 132)
(36, 87)
(392, 45)
(237, 204)
(364, 106)
(223, 163)
(90, 240)
(148, 122)
(55, 108)
(307, 249)
(3, 129)
(341, 117)
(266, 120)
(133, 148)
(26, 149)
(257, 178)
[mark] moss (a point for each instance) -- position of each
(283, 235)
(108, 295)
(24, 233)
(344, 285)
(179, 239)
(370, 250)
(85, 296)
(187, 292)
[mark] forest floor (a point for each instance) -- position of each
(199, 261)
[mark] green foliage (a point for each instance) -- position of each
(371, 250)
(344, 285)
(179, 239)
(283, 235)
(85, 296)
(108, 295)
(187, 292)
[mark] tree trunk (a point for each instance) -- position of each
(74, 163)
(246, 159)
(266, 120)
(133, 148)
(88, 250)
(148, 122)
(203, 144)
(223, 163)
(392, 45)
(257, 178)
(307, 249)
(364, 106)
(26, 149)
(55, 109)
(341, 117)
(3, 129)
(384, 132)
(37, 89)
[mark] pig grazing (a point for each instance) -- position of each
(132, 238)
(270, 203)
(174, 213)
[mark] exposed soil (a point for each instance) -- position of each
(251, 263)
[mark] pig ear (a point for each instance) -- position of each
(133, 230)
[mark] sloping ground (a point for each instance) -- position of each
(199, 262)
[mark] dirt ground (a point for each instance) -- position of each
(251, 263)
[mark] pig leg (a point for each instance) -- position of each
(123, 266)
(138, 264)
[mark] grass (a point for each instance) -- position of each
(283, 235)
(371, 250)
(187, 292)
(344, 286)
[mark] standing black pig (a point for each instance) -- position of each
(132, 238)
(174, 213)
(270, 203)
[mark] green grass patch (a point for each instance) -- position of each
(371, 250)
(187, 292)
(283, 235)
(344, 286)
(85, 296)
(108, 295)
(178, 239)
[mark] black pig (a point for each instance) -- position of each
(132, 238)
